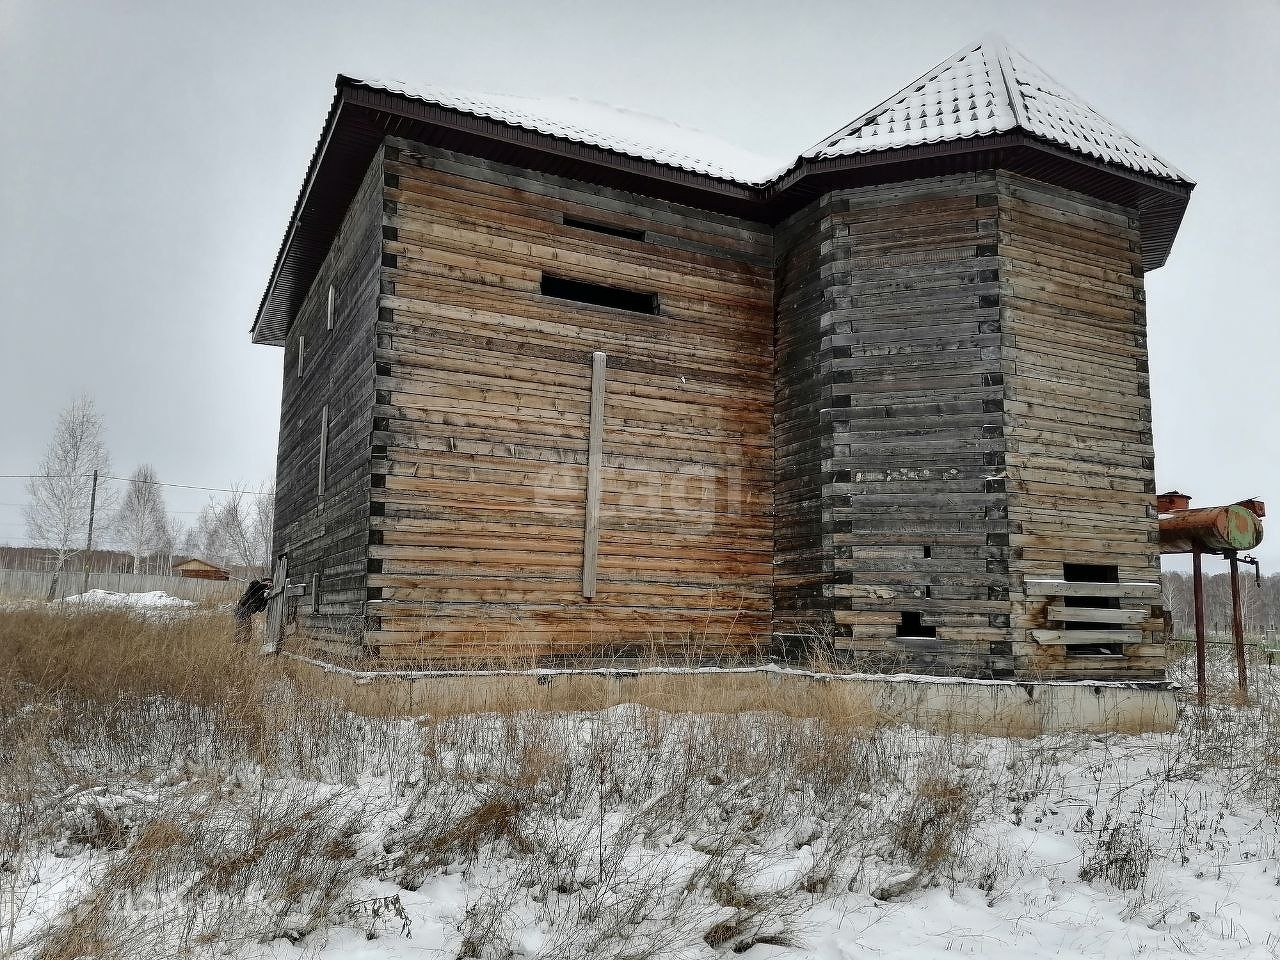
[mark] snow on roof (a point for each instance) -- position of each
(989, 87)
(619, 129)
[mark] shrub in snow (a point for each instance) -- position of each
(1121, 855)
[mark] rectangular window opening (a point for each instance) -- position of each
(1091, 573)
(315, 593)
(599, 295)
(627, 233)
(302, 349)
(912, 626)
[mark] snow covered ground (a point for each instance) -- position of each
(1207, 860)
(276, 825)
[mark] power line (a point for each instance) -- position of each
(160, 483)
(187, 486)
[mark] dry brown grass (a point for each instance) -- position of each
(107, 654)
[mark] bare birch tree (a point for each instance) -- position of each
(235, 529)
(58, 497)
(141, 523)
(172, 537)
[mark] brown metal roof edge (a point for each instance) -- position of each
(326, 134)
(1161, 206)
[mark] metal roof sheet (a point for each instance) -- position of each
(618, 129)
(989, 87)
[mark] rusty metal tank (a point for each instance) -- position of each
(1210, 530)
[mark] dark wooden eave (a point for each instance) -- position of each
(361, 117)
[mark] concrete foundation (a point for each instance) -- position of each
(935, 704)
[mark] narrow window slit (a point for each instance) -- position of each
(599, 295)
(627, 233)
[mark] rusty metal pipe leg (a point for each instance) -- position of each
(1237, 631)
(1197, 586)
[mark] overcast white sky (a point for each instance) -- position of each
(151, 154)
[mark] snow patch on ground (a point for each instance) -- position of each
(153, 600)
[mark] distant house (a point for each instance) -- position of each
(198, 569)
(573, 383)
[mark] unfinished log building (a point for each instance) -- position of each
(553, 391)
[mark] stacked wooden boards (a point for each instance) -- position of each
(481, 421)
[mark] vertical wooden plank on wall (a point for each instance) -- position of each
(324, 447)
(591, 532)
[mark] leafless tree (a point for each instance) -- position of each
(171, 538)
(142, 520)
(235, 529)
(58, 497)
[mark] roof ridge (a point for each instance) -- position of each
(1016, 103)
(880, 107)
(1151, 163)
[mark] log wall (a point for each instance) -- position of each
(482, 418)
(802, 431)
(326, 534)
(961, 406)
(915, 522)
(1077, 417)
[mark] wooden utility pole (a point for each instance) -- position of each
(88, 546)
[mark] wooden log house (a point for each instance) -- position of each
(553, 392)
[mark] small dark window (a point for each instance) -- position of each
(625, 232)
(1090, 573)
(599, 295)
(911, 626)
